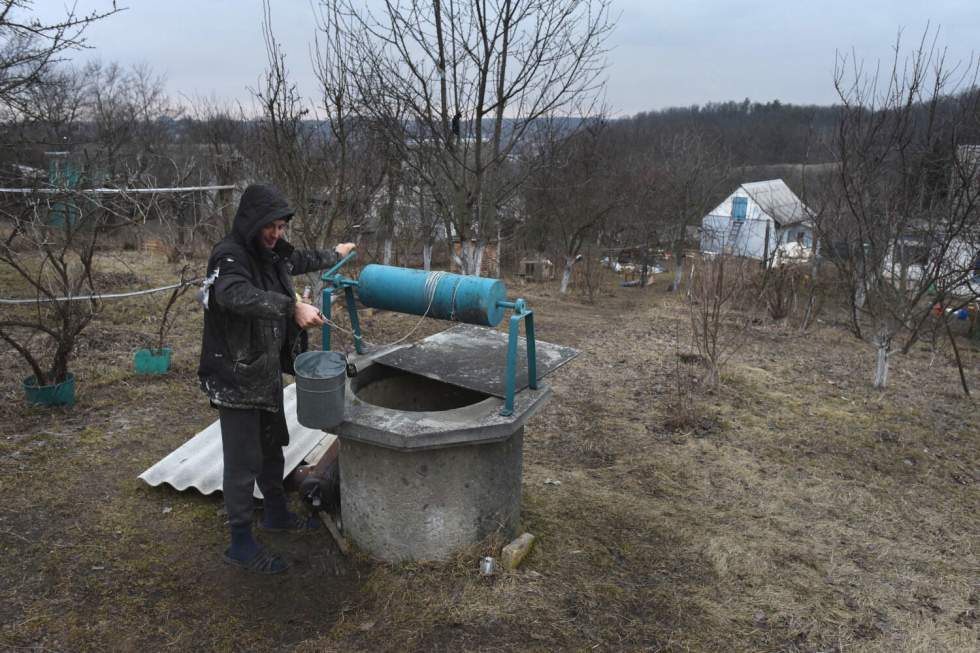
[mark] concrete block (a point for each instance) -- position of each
(514, 553)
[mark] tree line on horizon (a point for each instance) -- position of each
(438, 133)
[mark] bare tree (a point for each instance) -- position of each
(473, 77)
(356, 163)
(722, 302)
(907, 198)
(57, 105)
(223, 132)
(286, 143)
(110, 109)
(29, 47)
(51, 248)
(573, 191)
(693, 169)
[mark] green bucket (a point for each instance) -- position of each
(56, 394)
(152, 361)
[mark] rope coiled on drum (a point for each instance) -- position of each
(432, 281)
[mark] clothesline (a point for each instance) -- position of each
(110, 191)
(118, 295)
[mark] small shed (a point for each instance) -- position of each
(756, 220)
(537, 269)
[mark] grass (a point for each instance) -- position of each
(794, 509)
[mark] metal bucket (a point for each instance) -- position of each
(321, 380)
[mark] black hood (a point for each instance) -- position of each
(260, 205)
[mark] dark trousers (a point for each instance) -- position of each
(252, 441)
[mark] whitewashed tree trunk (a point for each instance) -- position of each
(859, 295)
(883, 345)
(478, 259)
(566, 274)
(675, 285)
(678, 268)
(465, 257)
(427, 256)
(388, 250)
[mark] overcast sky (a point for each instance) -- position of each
(663, 52)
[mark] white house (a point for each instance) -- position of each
(741, 224)
(909, 257)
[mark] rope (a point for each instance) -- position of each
(118, 295)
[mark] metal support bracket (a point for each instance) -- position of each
(521, 312)
(333, 281)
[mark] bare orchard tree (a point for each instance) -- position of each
(356, 162)
(286, 141)
(421, 202)
(222, 132)
(722, 303)
(51, 248)
(29, 47)
(694, 168)
(57, 106)
(131, 116)
(110, 109)
(906, 199)
(573, 191)
(473, 76)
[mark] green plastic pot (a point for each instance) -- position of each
(152, 361)
(56, 394)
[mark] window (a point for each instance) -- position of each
(739, 207)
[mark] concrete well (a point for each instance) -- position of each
(428, 468)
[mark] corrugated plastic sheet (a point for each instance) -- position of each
(198, 463)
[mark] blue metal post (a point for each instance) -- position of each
(331, 282)
(510, 379)
(532, 354)
(327, 311)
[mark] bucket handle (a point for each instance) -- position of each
(351, 368)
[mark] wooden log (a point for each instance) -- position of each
(331, 525)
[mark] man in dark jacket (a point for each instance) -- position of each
(253, 330)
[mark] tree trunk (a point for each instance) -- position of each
(883, 345)
(427, 256)
(859, 295)
(765, 251)
(500, 249)
(675, 285)
(566, 274)
(480, 248)
(465, 257)
(388, 249)
(181, 221)
(226, 200)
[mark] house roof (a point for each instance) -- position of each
(778, 201)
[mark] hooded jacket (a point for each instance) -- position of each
(250, 335)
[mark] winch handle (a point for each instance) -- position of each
(329, 273)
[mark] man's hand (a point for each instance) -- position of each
(343, 249)
(308, 316)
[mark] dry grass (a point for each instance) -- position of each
(811, 513)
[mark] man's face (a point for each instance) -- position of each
(271, 233)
